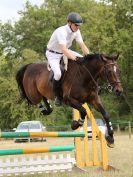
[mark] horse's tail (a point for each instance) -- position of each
(19, 79)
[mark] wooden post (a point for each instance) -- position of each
(129, 127)
(118, 128)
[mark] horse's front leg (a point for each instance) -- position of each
(76, 105)
(109, 134)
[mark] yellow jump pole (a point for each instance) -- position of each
(82, 152)
(79, 161)
(95, 131)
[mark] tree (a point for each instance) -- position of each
(107, 29)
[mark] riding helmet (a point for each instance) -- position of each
(75, 18)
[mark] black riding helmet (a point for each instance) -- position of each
(75, 18)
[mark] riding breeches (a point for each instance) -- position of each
(54, 62)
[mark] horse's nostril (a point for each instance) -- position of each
(118, 92)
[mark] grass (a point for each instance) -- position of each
(120, 157)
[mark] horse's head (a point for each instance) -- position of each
(111, 73)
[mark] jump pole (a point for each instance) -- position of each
(4, 152)
(40, 134)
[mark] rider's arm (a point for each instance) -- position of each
(84, 48)
(66, 52)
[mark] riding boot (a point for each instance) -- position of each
(57, 92)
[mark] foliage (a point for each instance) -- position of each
(107, 28)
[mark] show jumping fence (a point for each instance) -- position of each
(42, 164)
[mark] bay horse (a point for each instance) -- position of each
(79, 85)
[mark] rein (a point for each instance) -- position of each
(93, 79)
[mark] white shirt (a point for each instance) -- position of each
(63, 35)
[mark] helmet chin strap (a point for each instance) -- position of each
(71, 28)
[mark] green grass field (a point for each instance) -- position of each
(120, 157)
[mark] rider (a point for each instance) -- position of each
(59, 44)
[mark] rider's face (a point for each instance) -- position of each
(74, 27)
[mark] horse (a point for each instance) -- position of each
(79, 85)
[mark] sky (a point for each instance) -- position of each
(9, 8)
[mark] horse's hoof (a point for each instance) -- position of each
(110, 145)
(110, 141)
(46, 112)
(74, 125)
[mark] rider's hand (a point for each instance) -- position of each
(80, 60)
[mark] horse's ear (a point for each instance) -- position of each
(103, 57)
(116, 57)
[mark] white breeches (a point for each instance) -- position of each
(54, 62)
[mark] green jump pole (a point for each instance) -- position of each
(40, 134)
(4, 152)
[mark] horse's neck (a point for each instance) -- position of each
(91, 70)
(84, 73)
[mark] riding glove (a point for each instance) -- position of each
(80, 60)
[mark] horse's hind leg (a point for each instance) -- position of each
(45, 106)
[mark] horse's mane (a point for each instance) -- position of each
(92, 56)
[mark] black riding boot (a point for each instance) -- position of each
(57, 92)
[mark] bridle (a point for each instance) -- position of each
(110, 85)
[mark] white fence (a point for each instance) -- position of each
(30, 165)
